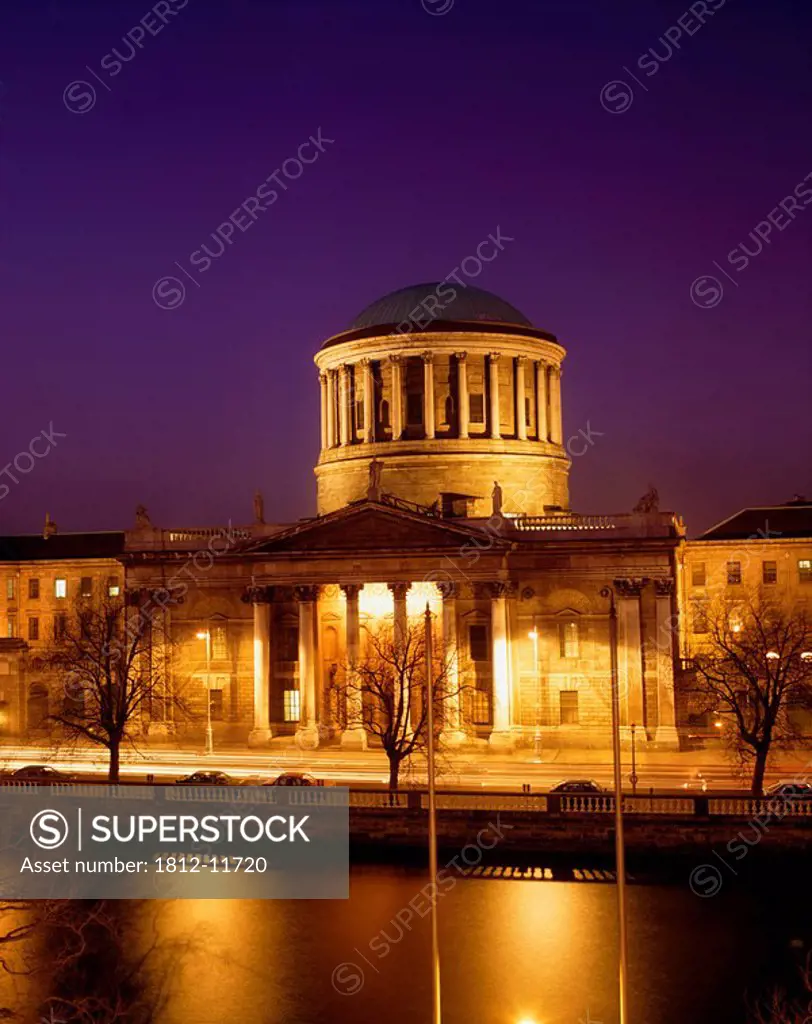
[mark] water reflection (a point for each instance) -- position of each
(512, 950)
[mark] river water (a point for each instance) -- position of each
(513, 952)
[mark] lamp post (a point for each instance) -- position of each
(633, 776)
(534, 636)
(436, 1010)
(620, 853)
(205, 634)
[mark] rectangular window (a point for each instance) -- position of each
(527, 412)
(476, 408)
(291, 705)
(480, 707)
(769, 572)
(60, 588)
(219, 645)
(216, 705)
(11, 629)
(700, 617)
(414, 408)
(60, 626)
(478, 643)
(734, 573)
(33, 629)
(33, 590)
(10, 588)
(805, 570)
(568, 639)
(698, 574)
(568, 707)
(113, 587)
(359, 415)
(289, 645)
(86, 587)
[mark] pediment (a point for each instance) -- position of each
(369, 526)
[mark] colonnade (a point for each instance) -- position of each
(537, 380)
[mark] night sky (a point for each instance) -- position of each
(449, 119)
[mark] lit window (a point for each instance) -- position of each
(33, 589)
(734, 573)
(219, 645)
(476, 408)
(60, 588)
(10, 588)
(478, 643)
(805, 570)
(769, 572)
(33, 629)
(568, 639)
(735, 620)
(291, 705)
(698, 574)
(480, 707)
(86, 587)
(11, 628)
(113, 587)
(568, 706)
(700, 617)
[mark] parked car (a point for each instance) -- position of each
(790, 790)
(292, 779)
(205, 778)
(41, 773)
(576, 786)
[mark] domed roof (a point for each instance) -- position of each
(468, 304)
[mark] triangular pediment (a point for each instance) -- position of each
(373, 527)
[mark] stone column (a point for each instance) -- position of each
(401, 629)
(369, 402)
(452, 733)
(521, 418)
(330, 409)
(493, 369)
(354, 737)
(542, 427)
(629, 652)
(323, 408)
(428, 394)
(397, 397)
(501, 736)
(307, 732)
(665, 624)
(344, 412)
(556, 425)
(462, 394)
(260, 598)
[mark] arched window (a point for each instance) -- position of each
(448, 407)
(383, 413)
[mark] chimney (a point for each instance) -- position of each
(50, 528)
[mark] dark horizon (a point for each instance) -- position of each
(446, 126)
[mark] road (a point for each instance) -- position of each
(370, 768)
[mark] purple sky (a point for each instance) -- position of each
(445, 126)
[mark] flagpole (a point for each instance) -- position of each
(436, 1014)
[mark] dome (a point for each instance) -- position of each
(434, 301)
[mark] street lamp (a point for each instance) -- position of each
(534, 636)
(620, 853)
(205, 634)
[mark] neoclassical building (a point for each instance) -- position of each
(442, 478)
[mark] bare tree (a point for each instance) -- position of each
(782, 1007)
(753, 668)
(108, 661)
(386, 691)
